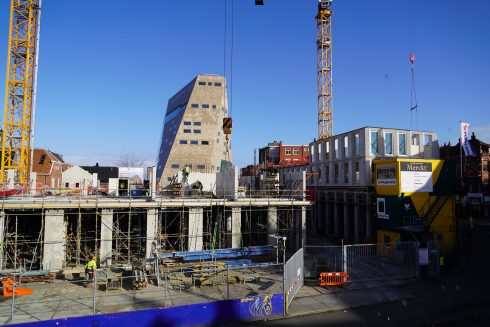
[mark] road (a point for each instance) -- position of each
(459, 298)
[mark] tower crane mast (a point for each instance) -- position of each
(324, 69)
(20, 92)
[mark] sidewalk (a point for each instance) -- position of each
(315, 299)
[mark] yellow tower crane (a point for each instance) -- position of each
(20, 90)
(324, 69)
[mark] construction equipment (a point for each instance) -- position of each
(227, 127)
(20, 90)
(334, 278)
(139, 270)
(324, 69)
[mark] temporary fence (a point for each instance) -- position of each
(365, 262)
(294, 276)
(110, 292)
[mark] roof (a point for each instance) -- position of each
(42, 161)
(103, 173)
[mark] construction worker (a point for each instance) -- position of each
(90, 270)
(186, 172)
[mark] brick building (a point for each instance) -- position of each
(48, 168)
(276, 153)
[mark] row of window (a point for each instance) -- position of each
(188, 131)
(188, 123)
(346, 151)
(194, 142)
(346, 173)
(202, 83)
(204, 105)
(287, 151)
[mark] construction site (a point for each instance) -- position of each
(194, 234)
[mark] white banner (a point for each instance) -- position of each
(468, 151)
(464, 127)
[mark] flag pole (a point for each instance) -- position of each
(461, 157)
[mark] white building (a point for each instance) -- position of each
(77, 178)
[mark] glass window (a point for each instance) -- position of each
(415, 139)
(201, 166)
(197, 123)
(197, 131)
(357, 144)
(194, 105)
(402, 149)
(346, 172)
(194, 142)
(295, 152)
(336, 173)
(374, 143)
(213, 106)
(187, 123)
(381, 208)
(427, 140)
(357, 176)
(336, 148)
(346, 146)
(210, 83)
(287, 151)
(205, 106)
(388, 143)
(327, 150)
(202, 83)
(327, 173)
(175, 166)
(204, 142)
(187, 130)
(217, 84)
(306, 149)
(183, 141)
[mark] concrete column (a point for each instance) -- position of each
(369, 232)
(54, 240)
(357, 238)
(336, 227)
(346, 220)
(151, 230)
(2, 236)
(272, 224)
(300, 221)
(196, 223)
(106, 228)
(236, 227)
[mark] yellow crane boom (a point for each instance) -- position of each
(19, 104)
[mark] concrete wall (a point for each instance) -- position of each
(106, 230)
(54, 240)
(76, 175)
(227, 184)
(207, 180)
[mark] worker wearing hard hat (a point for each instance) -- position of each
(185, 173)
(90, 270)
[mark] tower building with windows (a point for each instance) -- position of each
(192, 129)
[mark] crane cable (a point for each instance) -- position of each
(230, 107)
(413, 92)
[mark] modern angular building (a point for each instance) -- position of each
(192, 131)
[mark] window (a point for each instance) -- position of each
(381, 208)
(327, 173)
(357, 176)
(336, 149)
(386, 175)
(169, 179)
(201, 166)
(374, 143)
(306, 149)
(346, 172)
(194, 105)
(197, 123)
(194, 142)
(41, 160)
(336, 173)
(77, 185)
(213, 106)
(205, 106)
(67, 184)
(296, 152)
(312, 154)
(183, 141)
(357, 145)
(187, 130)
(427, 140)
(217, 84)
(210, 83)
(187, 123)
(346, 146)
(197, 131)
(327, 150)
(204, 142)
(175, 166)
(416, 139)
(388, 143)
(202, 83)
(402, 149)
(386, 239)
(287, 151)
(319, 175)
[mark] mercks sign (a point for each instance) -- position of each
(416, 166)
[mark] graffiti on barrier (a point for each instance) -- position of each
(259, 306)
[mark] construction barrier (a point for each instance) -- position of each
(9, 285)
(334, 278)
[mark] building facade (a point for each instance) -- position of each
(192, 130)
(276, 153)
(340, 176)
(48, 169)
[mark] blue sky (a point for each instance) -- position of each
(107, 69)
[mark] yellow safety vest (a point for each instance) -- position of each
(91, 265)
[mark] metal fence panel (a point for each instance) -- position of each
(294, 275)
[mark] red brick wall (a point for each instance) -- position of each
(302, 156)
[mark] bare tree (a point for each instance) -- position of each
(129, 160)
